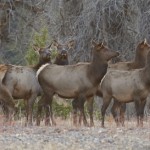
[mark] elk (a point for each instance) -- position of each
(21, 81)
(127, 86)
(78, 81)
(63, 50)
(139, 62)
(61, 59)
(7, 99)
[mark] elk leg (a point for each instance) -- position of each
(41, 103)
(29, 109)
(81, 114)
(7, 97)
(90, 103)
(8, 112)
(47, 115)
(82, 100)
(137, 106)
(49, 97)
(5, 110)
(8, 101)
(51, 111)
(142, 106)
(114, 111)
(106, 102)
(75, 109)
(80, 104)
(122, 113)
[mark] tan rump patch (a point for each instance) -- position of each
(3, 70)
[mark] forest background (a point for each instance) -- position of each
(121, 24)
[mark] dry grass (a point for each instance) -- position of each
(109, 122)
(65, 135)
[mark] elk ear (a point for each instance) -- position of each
(71, 44)
(49, 46)
(36, 48)
(145, 41)
(55, 43)
(94, 43)
(101, 44)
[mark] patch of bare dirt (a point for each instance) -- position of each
(64, 136)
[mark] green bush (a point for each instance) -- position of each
(39, 39)
(60, 110)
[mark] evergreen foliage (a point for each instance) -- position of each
(40, 40)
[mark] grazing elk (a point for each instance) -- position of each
(61, 59)
(78, 81)
(127, 86)
(22, 83)
(139, 62)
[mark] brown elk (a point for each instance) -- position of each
(61, 59)
(5, 96)
(22, 83)
(139, 62)
(127, 86)
(82, 79)
(7, 100)
(63, 49)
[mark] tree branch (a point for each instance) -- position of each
(16, 3)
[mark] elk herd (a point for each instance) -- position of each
(122, 82)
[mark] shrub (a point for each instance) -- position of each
(39, 39)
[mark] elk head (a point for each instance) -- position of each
(103, 52)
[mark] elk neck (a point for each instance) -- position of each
(139, 61)
(146, 73)
(40, 63)
(97, 69)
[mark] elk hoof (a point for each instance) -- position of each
(53, 123)
(86, 125)
(92, 124)
(102, 126)
(38, 123)
(47, 122)
(28, 124)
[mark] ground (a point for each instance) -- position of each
(65, 136)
